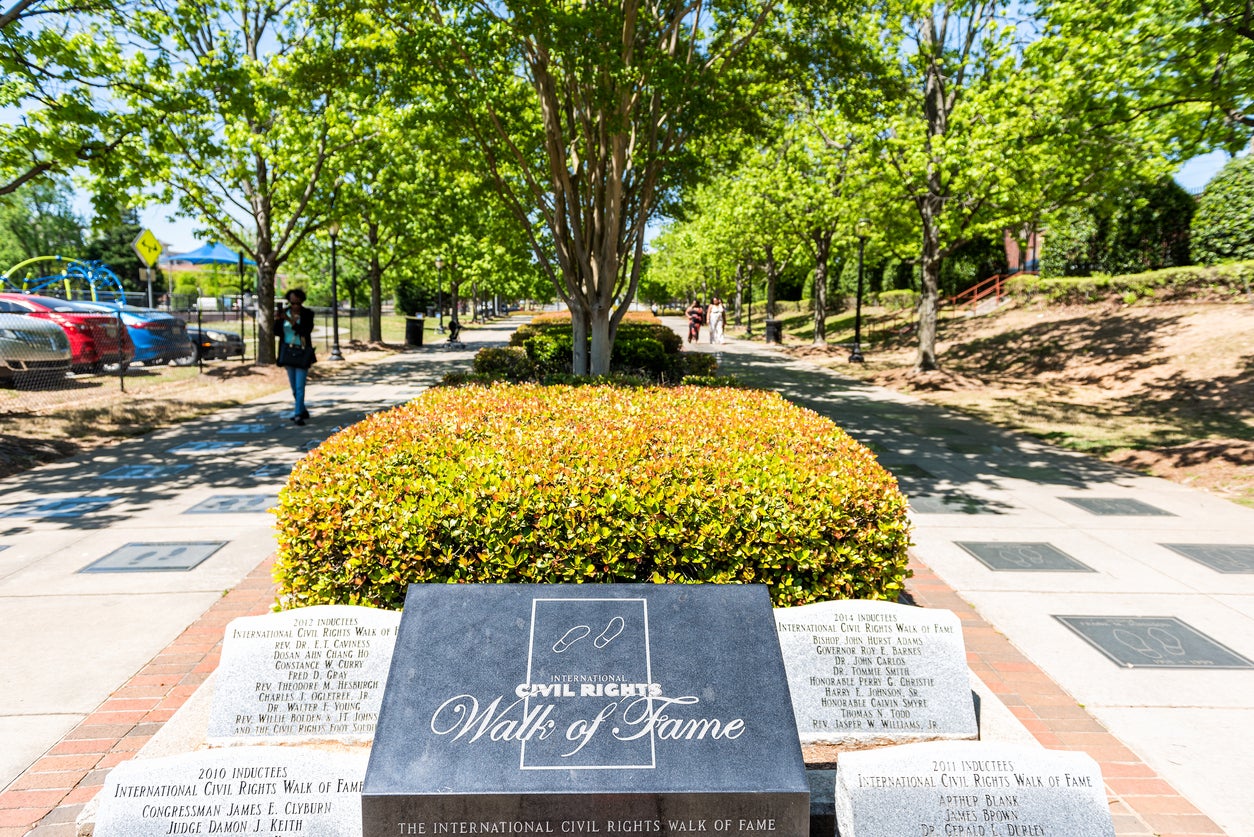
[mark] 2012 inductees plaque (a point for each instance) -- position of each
(586, 710)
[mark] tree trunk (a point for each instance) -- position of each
(740, 289)
(376, 284)
(602, 345)
(771, 276)
(929, 300)
(931, 207)
(822, 250)
(265, 309)
(579, 331)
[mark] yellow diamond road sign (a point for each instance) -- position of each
(147, 248)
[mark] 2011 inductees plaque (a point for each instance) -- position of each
(586, 710)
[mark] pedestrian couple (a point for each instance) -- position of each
(715, 315)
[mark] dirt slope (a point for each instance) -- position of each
(1166, 389)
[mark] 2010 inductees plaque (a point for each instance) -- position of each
(586, 710)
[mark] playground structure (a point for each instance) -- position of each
(76, 279)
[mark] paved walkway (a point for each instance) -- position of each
(96, 661)
(107, 558)
(1133, 594)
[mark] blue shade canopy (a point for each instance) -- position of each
(212, 253)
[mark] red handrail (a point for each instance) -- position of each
(993, 286)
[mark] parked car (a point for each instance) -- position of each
(215, 344)
(96, 339)
(159, 337)
(32, 351)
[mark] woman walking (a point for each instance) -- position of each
(696, 316)
(716, 318)
(296, 352)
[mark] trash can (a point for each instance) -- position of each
(774, 331)
(413, 330)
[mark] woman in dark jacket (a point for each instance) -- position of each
(294, 328)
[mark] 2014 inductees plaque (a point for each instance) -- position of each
(586, 710)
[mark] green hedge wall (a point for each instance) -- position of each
(1218, 282)
(594, 483)
(897, 300)
(1223, 228)
(643, 347)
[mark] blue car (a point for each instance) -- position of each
(159, 337)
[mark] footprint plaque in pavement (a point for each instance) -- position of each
(154, 557)
(233, 504)
(1153, 642)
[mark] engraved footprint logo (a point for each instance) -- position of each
(1169, 641)
(570, 638)
(1136, 644)
(611, 632)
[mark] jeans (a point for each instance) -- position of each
(296, 378)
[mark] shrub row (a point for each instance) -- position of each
(897, 300)
(1223, 228)
(590, 484)
(1217, 282)
(541, 351)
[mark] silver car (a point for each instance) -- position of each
(32, 351)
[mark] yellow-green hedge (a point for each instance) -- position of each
(1197, 283)
(598, 484)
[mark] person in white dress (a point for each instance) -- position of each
(716, 318)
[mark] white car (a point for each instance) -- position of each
(32, 351)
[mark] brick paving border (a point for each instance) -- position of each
(45, 800)
(1142, 804)
(50, 794)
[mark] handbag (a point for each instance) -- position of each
(299, 357)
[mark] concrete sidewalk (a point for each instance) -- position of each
(107, 557)
(987, 504)
(1135, 595)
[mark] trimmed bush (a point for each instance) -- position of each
(1223, 228)
(642, 347)
(1217, 283)
(508, 364)
(698, 364)
(590, 484)
(549, 352)
(897, 300)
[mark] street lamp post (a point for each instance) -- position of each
(856, 355)
(439, 295)
(749, 306)
(334, 230)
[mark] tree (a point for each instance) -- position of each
(1186, 65)
(596, 131)
(820, 162)
(59, 60)
(974, 130)
(383, 204)
(950, 107)
(39, 221)
(246, 103)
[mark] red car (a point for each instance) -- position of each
(96, 339)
